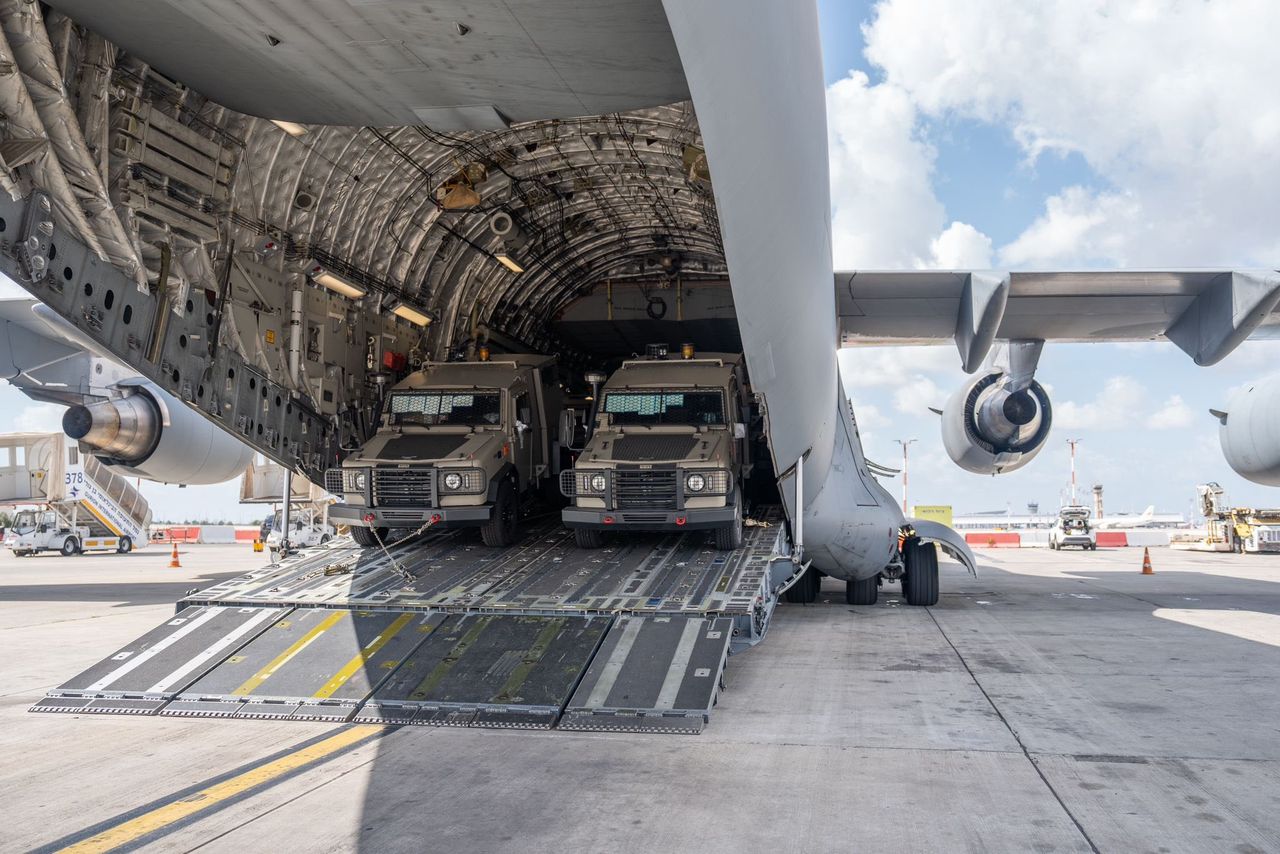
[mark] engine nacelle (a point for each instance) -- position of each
(988, 429)
(1250, 432)
(150, 434)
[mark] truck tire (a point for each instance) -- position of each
(70, 546)
(503, 527)
(325, 538)
(124, 546)
(862, 591)
(922, 573)
(730, 537)
(368, 536)
(588, 538)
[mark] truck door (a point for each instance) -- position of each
(526, 439)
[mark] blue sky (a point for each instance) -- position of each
(1050, 135)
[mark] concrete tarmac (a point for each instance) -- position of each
(1059, 702)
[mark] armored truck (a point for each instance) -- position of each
(459, 444)
(668, 451)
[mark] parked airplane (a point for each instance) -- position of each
(124, 419)
(270, 219)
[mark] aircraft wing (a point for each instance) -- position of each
(1207, 313)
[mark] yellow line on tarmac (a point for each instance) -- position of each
(354, 665)
(175, 811)
(258, 678)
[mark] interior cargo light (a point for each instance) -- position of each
(406, 312)
(507, 261)
(291, 128)
(326, 278)
(483, 352)
(686, 351)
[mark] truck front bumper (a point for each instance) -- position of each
(409, 517)
(649, 520)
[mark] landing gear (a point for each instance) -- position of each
(369, 536)
(588, 538)
(805, 590)
(920, 581)
(503, 527)
(862, 591)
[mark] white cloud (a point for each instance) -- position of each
(960, 247)
(868, 367)
(884, 210)
(1173, 414)
(918, 394)
(39, 418)
(1170, 103)
(1123, 403)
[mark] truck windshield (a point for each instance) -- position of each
(468, 409)
(665, 407)
(25, 522)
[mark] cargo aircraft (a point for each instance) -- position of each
(269, 210)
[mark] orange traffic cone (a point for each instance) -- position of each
(173, 561)
(1146, 562)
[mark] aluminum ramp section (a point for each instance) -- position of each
(143, 676)
(315, 664)
(653, 674)
(489, 671)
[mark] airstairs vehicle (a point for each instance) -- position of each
(81, 504)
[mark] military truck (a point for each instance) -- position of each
(668, 450)
(459, 444)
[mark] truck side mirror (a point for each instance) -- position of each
(739, 430)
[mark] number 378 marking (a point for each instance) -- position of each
(75, 477)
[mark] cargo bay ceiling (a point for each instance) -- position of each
(482, 163)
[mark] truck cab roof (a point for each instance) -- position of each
(706, 369)
(498, 372)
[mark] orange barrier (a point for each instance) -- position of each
(995, 540)
(246, 535)
(1113, 539)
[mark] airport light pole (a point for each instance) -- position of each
(904, 443)
(1073, 443)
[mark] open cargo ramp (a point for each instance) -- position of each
(447, 632)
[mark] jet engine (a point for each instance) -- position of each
(150, 434)
(989, 428)
(1250, 432)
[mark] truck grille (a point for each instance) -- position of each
(333, 481)
(644, 490)
(397, 487)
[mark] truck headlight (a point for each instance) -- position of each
(593, 482)
(695, 483)
(354, 480)
(463, 481)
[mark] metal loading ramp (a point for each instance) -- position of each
(448, 632)
(143, 676)
(659, 674)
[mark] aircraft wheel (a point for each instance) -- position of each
(124, 546)
(368, 536)
(805, 590)
(588, 538)
(70, 546)
(502, 528)
(862, 591)
(922, 573)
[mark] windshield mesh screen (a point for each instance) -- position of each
(470, 408)
(665, 407)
